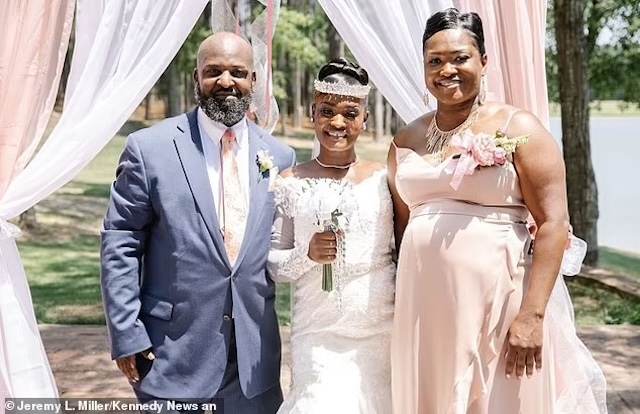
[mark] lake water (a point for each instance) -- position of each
(615, 152)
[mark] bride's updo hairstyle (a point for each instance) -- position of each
(341, 77)
(342, 69)
(453, 19)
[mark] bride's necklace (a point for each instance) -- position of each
(437, 140)
(340, 167)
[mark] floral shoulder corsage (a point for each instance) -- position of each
(480, 150)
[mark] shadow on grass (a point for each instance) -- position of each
(131, 126)
(65, 280)
(94, 190)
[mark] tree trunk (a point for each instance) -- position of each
(379, 116)
(336, 45)
(388, 117)
(243, 14)
(189, 94)
(148, 104)
(297, 95)
(27, 220)
(574, 99)
(174, 93)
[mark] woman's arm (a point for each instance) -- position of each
(288, 260)
(541, 174)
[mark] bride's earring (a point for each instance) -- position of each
(425, 97)
(482, 95)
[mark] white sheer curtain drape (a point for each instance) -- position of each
(386, 39)
(122, 48)
(515, 42)
(34, 45)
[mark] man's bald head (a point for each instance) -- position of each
(225, 43)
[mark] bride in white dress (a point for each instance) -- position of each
(340, 338)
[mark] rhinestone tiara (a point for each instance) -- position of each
(342, 88)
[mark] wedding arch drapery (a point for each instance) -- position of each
(122, 48)
(515, 41)
(34, 44)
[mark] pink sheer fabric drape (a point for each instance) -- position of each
(34, 44)
(515, 38)
(261, 30)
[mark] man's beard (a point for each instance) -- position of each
(227, 111)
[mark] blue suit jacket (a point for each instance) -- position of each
(166, 280)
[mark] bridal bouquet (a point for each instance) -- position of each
(480, 150)
(331, 203)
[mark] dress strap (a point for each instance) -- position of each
(505, 127)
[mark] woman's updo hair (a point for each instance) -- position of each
(453, 19)
(343, 70)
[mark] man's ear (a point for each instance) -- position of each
(313, 110)
(195, 75)
(366, 116)
(253, 78)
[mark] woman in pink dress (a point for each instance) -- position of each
(470, 331)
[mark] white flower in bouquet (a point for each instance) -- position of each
(332, 204)
(326, 200)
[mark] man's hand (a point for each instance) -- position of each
(128, 365)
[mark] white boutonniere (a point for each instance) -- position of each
(267, 166)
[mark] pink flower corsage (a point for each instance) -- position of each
(480, 150)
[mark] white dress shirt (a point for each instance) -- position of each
(211, 133)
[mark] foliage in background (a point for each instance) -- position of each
(301, 37)
(613, 43)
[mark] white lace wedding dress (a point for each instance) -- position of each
(339, 340)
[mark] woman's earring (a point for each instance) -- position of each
(482, 94)
(425, 97)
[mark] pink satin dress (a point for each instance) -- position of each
(463, 266)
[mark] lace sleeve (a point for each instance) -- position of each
(288, 259)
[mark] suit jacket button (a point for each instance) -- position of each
(226, 318)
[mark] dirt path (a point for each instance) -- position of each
(80, 361)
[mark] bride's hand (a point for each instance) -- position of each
(524, 345)
(323, 247)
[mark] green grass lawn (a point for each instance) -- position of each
(61, 257)
(604, 109)
(617, 261)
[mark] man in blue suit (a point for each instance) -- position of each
(189, 306)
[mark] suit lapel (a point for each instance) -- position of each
(189, 146)
(258, 186)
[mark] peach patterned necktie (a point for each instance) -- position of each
(235, 212)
